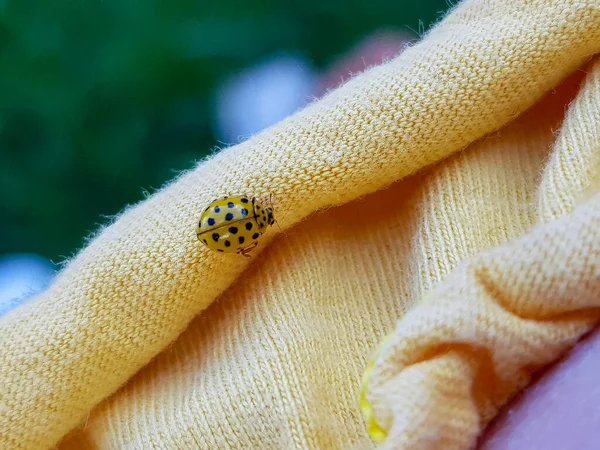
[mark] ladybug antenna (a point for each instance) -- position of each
(272, 209)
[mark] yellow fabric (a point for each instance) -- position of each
(447, 199)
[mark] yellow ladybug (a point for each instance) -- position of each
(234, 224)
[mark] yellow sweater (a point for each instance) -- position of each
(446, 199)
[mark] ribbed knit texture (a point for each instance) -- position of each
(478, 257)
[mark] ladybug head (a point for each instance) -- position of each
(270, 218)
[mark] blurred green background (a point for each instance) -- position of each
(101, 99)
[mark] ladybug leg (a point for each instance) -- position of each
(245, 252)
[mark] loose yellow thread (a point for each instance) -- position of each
(375, 431)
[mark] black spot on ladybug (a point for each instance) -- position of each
(241, 239)
(230, 205)
(249, 226)
(255, 236)
(215, 237)
(244, 212)
(219, 250)
(244, 200)
(205, 241)
(217, 209)
(227, 244)
(229, 216)
(211, 221)
(233, 230)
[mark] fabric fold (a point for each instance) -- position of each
(480, 335)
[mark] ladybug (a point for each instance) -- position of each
(233, 224)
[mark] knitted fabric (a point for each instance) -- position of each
(446, 201)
